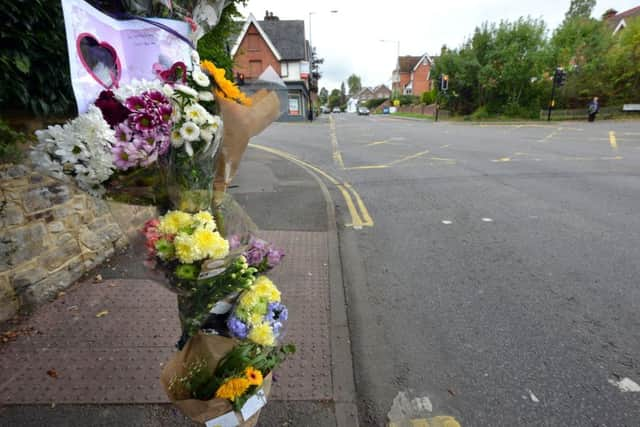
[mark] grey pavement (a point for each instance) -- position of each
(108, 366)
(499, 282)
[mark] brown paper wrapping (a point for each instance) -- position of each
(241, 123)
(211, 348)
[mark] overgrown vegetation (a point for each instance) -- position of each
(506, 69)
(11, 144)
(34, 68)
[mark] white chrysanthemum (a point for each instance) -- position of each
(186, 90)
(200, 78)
(196, 113)
(167, 90)
(205, 95)
(176, 138)
(215, 122)
(206, 134)
(81, 148)
(190, 131)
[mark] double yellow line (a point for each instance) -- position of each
(358, 211)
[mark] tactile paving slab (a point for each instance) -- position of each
(117, 357)
(303, 279)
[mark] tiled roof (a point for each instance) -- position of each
(287, 37)
(407, 63)
(628, 13)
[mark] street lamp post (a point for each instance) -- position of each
(311, 62)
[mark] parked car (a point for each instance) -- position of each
(324, 109)
(363, 111)
(335, 110)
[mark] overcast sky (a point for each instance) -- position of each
(349, 40)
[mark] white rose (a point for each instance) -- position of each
(200, 78)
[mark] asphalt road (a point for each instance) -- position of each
(497, 280)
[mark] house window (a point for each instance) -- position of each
(295, 104)
(284, 69)
(254, 42)
(255, 69)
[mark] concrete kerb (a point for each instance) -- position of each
(342, 374)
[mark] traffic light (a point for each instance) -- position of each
(444, 82)
(560, 76)
(240, 78)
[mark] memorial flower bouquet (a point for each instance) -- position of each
(197, 264)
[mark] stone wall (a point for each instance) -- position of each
(51, 233)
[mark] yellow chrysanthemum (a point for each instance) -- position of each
(186, 249)
(254, 376)
(249, 299)
(226, 88)
(256, 318)
(174, 221)
(210, 243)
(265, 288)
(206, 219)
(233, 389)
(262, 334)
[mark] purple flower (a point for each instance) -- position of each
(257, 243)
(237, 327)
(277, 312)
(123, 133)
(274, 256)
(112, 110)
(254, 257)
(234, 242)
(125, 155)
(136, 103)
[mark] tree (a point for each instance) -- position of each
(579, 9)
(354, 83)
(343, 95)
(323, 96)
(335, 98)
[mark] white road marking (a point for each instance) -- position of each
(533, 397)
(487, 219)
(626, 385)
(447, 222)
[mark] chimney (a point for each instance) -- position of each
(609, 13)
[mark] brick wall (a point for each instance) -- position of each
(51, 233)
(254, 48)
(420, 82)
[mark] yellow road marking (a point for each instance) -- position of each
(356, 221)
(355, 168)
(337, 156)
(367, 221)
(612, 140)
(502, 160)
(439, 421)
(371, 144)
(411, 157)
(443, 159)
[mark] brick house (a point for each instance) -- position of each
(412, 75)
(618, 21)
(364, 95)
(381, 91)
(281, 45)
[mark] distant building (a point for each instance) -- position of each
(618, 21)
(412, 75)
(381, 91)
(280, 44)
(364, 95)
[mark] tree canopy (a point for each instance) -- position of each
(354, 83)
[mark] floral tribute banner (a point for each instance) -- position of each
(106, 53)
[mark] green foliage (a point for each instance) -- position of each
(408, 99)
(429, 97)
(323, 96)
(10, 144)
(216, 44)
(480, 114)
(33, 62)
(579, 9)
(355, 84)
(335, 98)
(372, 104)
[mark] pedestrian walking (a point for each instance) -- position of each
(593, 109)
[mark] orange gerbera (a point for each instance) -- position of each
(226, 88)
(233, 389)
(254, 376)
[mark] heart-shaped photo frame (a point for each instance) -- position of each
(100, 60)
